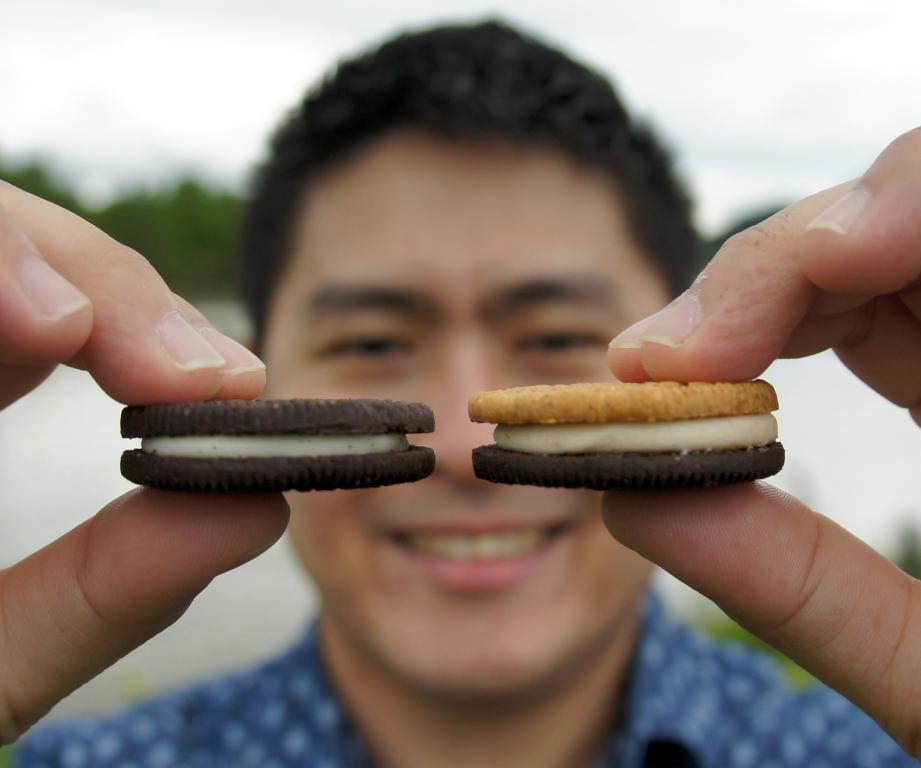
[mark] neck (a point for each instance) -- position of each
(404, 726)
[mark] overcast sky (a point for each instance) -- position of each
(761, 101)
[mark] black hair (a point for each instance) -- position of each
(464, 82)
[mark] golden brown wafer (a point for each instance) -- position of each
(614, 402)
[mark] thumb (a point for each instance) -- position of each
(797, 283)
(75, 607)
(797, 580)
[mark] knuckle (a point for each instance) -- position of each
(901, 673)
(752, 238)
(11, 727)
(909, 737)
(12, 723)
(83, 578)
(862, 322)
(809, 586)
(908, 142)
(123, 264)
(762, 236)
(116, 255)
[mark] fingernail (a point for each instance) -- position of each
(239, 358)
(50, 293)
(840, 217)
(185, 345)
(630, 338)
(670, 326)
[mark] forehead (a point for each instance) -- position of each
(412, 208)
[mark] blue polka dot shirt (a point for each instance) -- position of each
(690, 703)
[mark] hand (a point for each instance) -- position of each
(69, 293)
(840, 270)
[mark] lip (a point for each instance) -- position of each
(479, 576)
(474, 526)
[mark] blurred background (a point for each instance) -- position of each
(145, 117)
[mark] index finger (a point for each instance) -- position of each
(795, 579)
(786, 285)
(78, 605)
(145, 345)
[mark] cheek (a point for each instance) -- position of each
(327, 537)
(609, 571)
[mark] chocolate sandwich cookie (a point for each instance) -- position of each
(629, 436)
(276, 445)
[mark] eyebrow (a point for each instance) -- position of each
(576, 289)
(342, 299)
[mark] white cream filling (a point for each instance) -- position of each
(270, 446)
(719, 434)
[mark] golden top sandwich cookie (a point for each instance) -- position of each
(629, 436)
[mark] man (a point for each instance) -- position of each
(466, 209)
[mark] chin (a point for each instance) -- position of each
(497, 657)
(480, 675)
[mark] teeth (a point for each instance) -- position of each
(484, 546)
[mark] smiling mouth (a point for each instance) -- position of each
(482, 546)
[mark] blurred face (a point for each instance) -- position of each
(425, 270)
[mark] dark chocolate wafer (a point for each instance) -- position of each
(315, 473)
(609, 471)
(276, 417)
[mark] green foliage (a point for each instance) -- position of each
(6, 757)
(134, 687)
(34, 177)
(186, 229)
(908, 556)
(721, 627)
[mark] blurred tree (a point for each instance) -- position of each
(908, 557)
(34, 177)
(186, 229)
(6, 757)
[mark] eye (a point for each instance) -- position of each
(559, 342)
(369, 346)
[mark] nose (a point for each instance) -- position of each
(466, 370)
